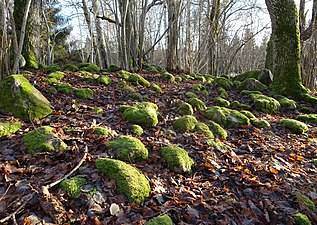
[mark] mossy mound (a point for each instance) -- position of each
(250, 115)
(73, 185)
(84, 93)
(31, 61)
(218, 130)
(129, 149)
(262, 124)
(57, 75)
(305, 109)
(104, 131)
(197, 104)
(294, 125)
(238, 105)
(199, 87)
(152, 69)
(43, 139)
(138, 79)
(286, 102)
(218, 145)
(265, 103)
(143, 114)
(177, 159)
(168, 77)
(227, 117)
(89, 67)
(191, 94)
(223, 82)
(53, 81)
(156, 88)
(88, 77)
(204, 129)
(65, 88)
(128, 180)
(247, 92)
(309, 118)
(185, 123)
(304, 202)
(185, 109)
(124, 74)
(21, 99)
(70, 67)
(222, 102)
(301, 219)
(128, 89)
(160, 220)
(104, 80)
(264, 76)
(222, 92)
(137, 130)
(9, 128)
(113, 68)
(53, 67)
(252, 84)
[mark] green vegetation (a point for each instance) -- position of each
(168, 77)
(204, 129)
(304, 202)
(191, 94)
(223, 82)
(262, 124)
(177, 159)
(295, 125)
(70, 67)
(309, 118)
(143, 114)
(197, 104)
(138, 79)
(89, 67)
(137, 130)
(160, 220)
(104, 80)
(57, 75)
(113, 68)
(218, 130)
(238, 105)
(156, 88)
(104, 131)
(185, 123)
(73, 185)
(286, 102)
(84, 93)
(301, 219)
(185, 109)
(252, 84)
(222, 102)
(9, 128)
(222, 92)
(128, 89)
(265, 104)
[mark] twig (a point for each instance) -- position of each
(5, 192)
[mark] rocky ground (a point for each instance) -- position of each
(261, 176)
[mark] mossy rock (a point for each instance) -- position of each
(218, 130)
(191, 94)
(227, 117)
(21, 99)
(250, 115)
(252, 84)
(247, 92)
(57, 75)
(138, 79)
(113, 68)
(156, 88)
(31, 61)
(104, 131)
(65, 88)
(84, 93)
(188, 76)
(222, 102)
(185, 109)
(304, 202)
(265, 103)
(129, 149)
(309, 118)
(152, 69)
(262, 124)
(128, 179)
(128, 89)
(177, 159)
(223, 82)
(52, 90)
(204, 129)
(89, 67)
(197, 104)
(160, 220)
(185, 123)
(43, 139)
(70, 67)
(53, 81)
(137, 130)
(238, 105)
(122, 83)
(301, 219)
(104, 80)
(97, 110)
(305, 109)
(294, 125)
(168, 77)
(201, 78)
(53, 67)
(218, 145)
(286, 102)
(122, 108)
(73, 186)
(124, 74)
(264, 76)
(9, 128)
(222, 92)
(88, 77)
(143, 114)
(199, 87)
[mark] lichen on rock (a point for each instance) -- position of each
(294, 125)
(143, 114)
(160, 220)
(9, 128)
(73, 186)
(177, 159)
(128, 179)
(185, 123)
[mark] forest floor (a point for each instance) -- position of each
(260, 179)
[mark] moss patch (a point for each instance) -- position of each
(309, 118)
(177, 159)
(294, 125)
(222, 92)
(129, 149)
(21, 99)
(104, 131)
(222, 102)
(304, 202)
(143, 114)
(84, 93)
(89, 67)
(128, 180)
(138, 79)
(264, 103)
(223, 82)
(191, 94)
(73, 185)
(204, 129)
(113, 68)
(43, 139)
(238, 105)
(218, 130)
(160, 220)
(252, 84)
(57, 75)
(185, 109)
(185, 123)
(301, 219)
(137, 130)
(70, 67)
(168, 77)
(65, 88)
(156, 88)
(9, 128)
(197, 104)
(104, 80)
(124, 74)
(286, 102)
(128, 89)
(262, 124)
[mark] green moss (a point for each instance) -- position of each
(65, 88)
(218, 145)
(104, 80)
(128, 89)
(301, 219)
(52, 90)
(124, 74)
(168, 77)
(188, 76)
(199, 87)
(304, 202)
(264, 76)
(156, 88)
(314, 161)
(129, 149)
(263, 124)
(185, 123)
(305, 109)
(247, 92)
(201, 78)
(238, 105)
(113, 68)
(138, 79)
(104, 131)
(309, 118)
(57, 75)
(53, 81)
(222, 102)
(31, 61)
(122, 108)
(137, 130)
(177, 159)
(227, 117)
(223, 82)
(89, 67)
(178, 79)
(160, 220)
(143, 114)
(122, 83)
(191, 94)
(70, 67)
(9, 128)
(218, 130)
(21, 99)
(89, 77)
(222, 92)
(252, 84)
(250, 115)
(97, 110)
(197, 104)
(204, 129)
(264, 103)
(295, 125)
(185, 109)
(43, 139)
(53, 67)
(73, 185)
(84, 93)
(128, 180)
(152, 69)
(286, 102)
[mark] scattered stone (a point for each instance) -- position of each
(177, 159)
(84, 93)
(156, 88)
(185, 123)
(218, 130)
(309, 118)
(223, 82)
(73, 185)
(143, 114)
(252, 84)
(104, 80)
(137, 130)
(305, 109)
(295, 125)
(178, 79)
(197, 104)
(160, 220)
(9, 128)
(138, 79)
(204, 129)
(128, 179)
(222, 102)
(265, 103)
(152, 69)
(286, 102)
(185, 109)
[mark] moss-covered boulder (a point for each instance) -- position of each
(138, 79)
(129, 149)
(152, 69)
(301, 219)
(70, 67)
(128, 89)
(73, 186)
(9, 128)
(21, 99)
(104, 131)
(177, 159)
(264, 76)
(309, 118)
(223, 82)
(197, 104)
(113, 68)
(237, 105)
(262, 124)
(128, 179)
(218, 130)
(294, 125)
(185, 109)
(227, 117)
(89, 67)
(265, 103)
(222, 92)
(286, 102)
(124, 74)
(168, 77)
(304, 202)
(252, 84)
(43, 139)
(250, 115)
(218, 145)
(204, 129)
(57, 75)
(156, 88)
(160, 220)
(185, 123)
(222, 102)
(84, 93)
(137, 130)
(190, 94)
(65, 88)
(143, 114)
(104, 80)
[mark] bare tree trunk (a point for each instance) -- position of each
(4, 42)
